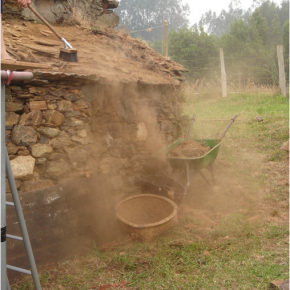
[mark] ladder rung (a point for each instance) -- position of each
(14, 237)
(24, 271)
(9, 203)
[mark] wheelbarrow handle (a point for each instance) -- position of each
(190, 126)
(229, 125)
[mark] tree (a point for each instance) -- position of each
(246, 55)
(258, 30)
(249, 40)
(236, 41)
(194, 49)
(219, 24)
(268, 9)
(140, 15)
(284, 12)
(276, 31)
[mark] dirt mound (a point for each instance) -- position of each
(107, 53)
(189, 148)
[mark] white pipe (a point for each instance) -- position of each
(18, 76)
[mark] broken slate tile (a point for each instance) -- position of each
(13, 107)
(65, 106)
(72, 114)
(37, 105)
(11, 119)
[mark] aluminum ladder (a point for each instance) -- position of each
(24, 232)
(6, 168)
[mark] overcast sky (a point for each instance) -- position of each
(198, 8)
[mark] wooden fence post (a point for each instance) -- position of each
(282, 78)
(165, 39)
(223, 73)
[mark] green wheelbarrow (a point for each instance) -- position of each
(195, 164)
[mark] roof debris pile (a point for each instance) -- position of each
(109, 53)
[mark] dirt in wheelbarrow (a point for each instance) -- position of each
(189, 148)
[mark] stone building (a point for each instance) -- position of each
(80, 135)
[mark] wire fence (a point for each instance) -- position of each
(160, 37)
(240, 71)
(149, 29)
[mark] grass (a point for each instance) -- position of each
(220, 261)
(271, 132)
(247, 249)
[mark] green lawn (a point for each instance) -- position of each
(247, 132)
(246, 249)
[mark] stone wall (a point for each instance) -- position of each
(130, 121)
(47, 132)
(64, 129)
(99, 12)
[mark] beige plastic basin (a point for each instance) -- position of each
(146, 216)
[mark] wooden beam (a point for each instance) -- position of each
(223, 73)
(282, 79)
(165, 39)
(20, 65)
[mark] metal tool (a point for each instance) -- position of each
(229, 125)
(190, 126)
(68, 53)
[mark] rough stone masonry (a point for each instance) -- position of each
(64, 126)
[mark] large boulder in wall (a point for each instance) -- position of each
(97, 11)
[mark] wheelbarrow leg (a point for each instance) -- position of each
(188, 178)
(212, 173)
(210, 169)
(169, 170)
(204, 178)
